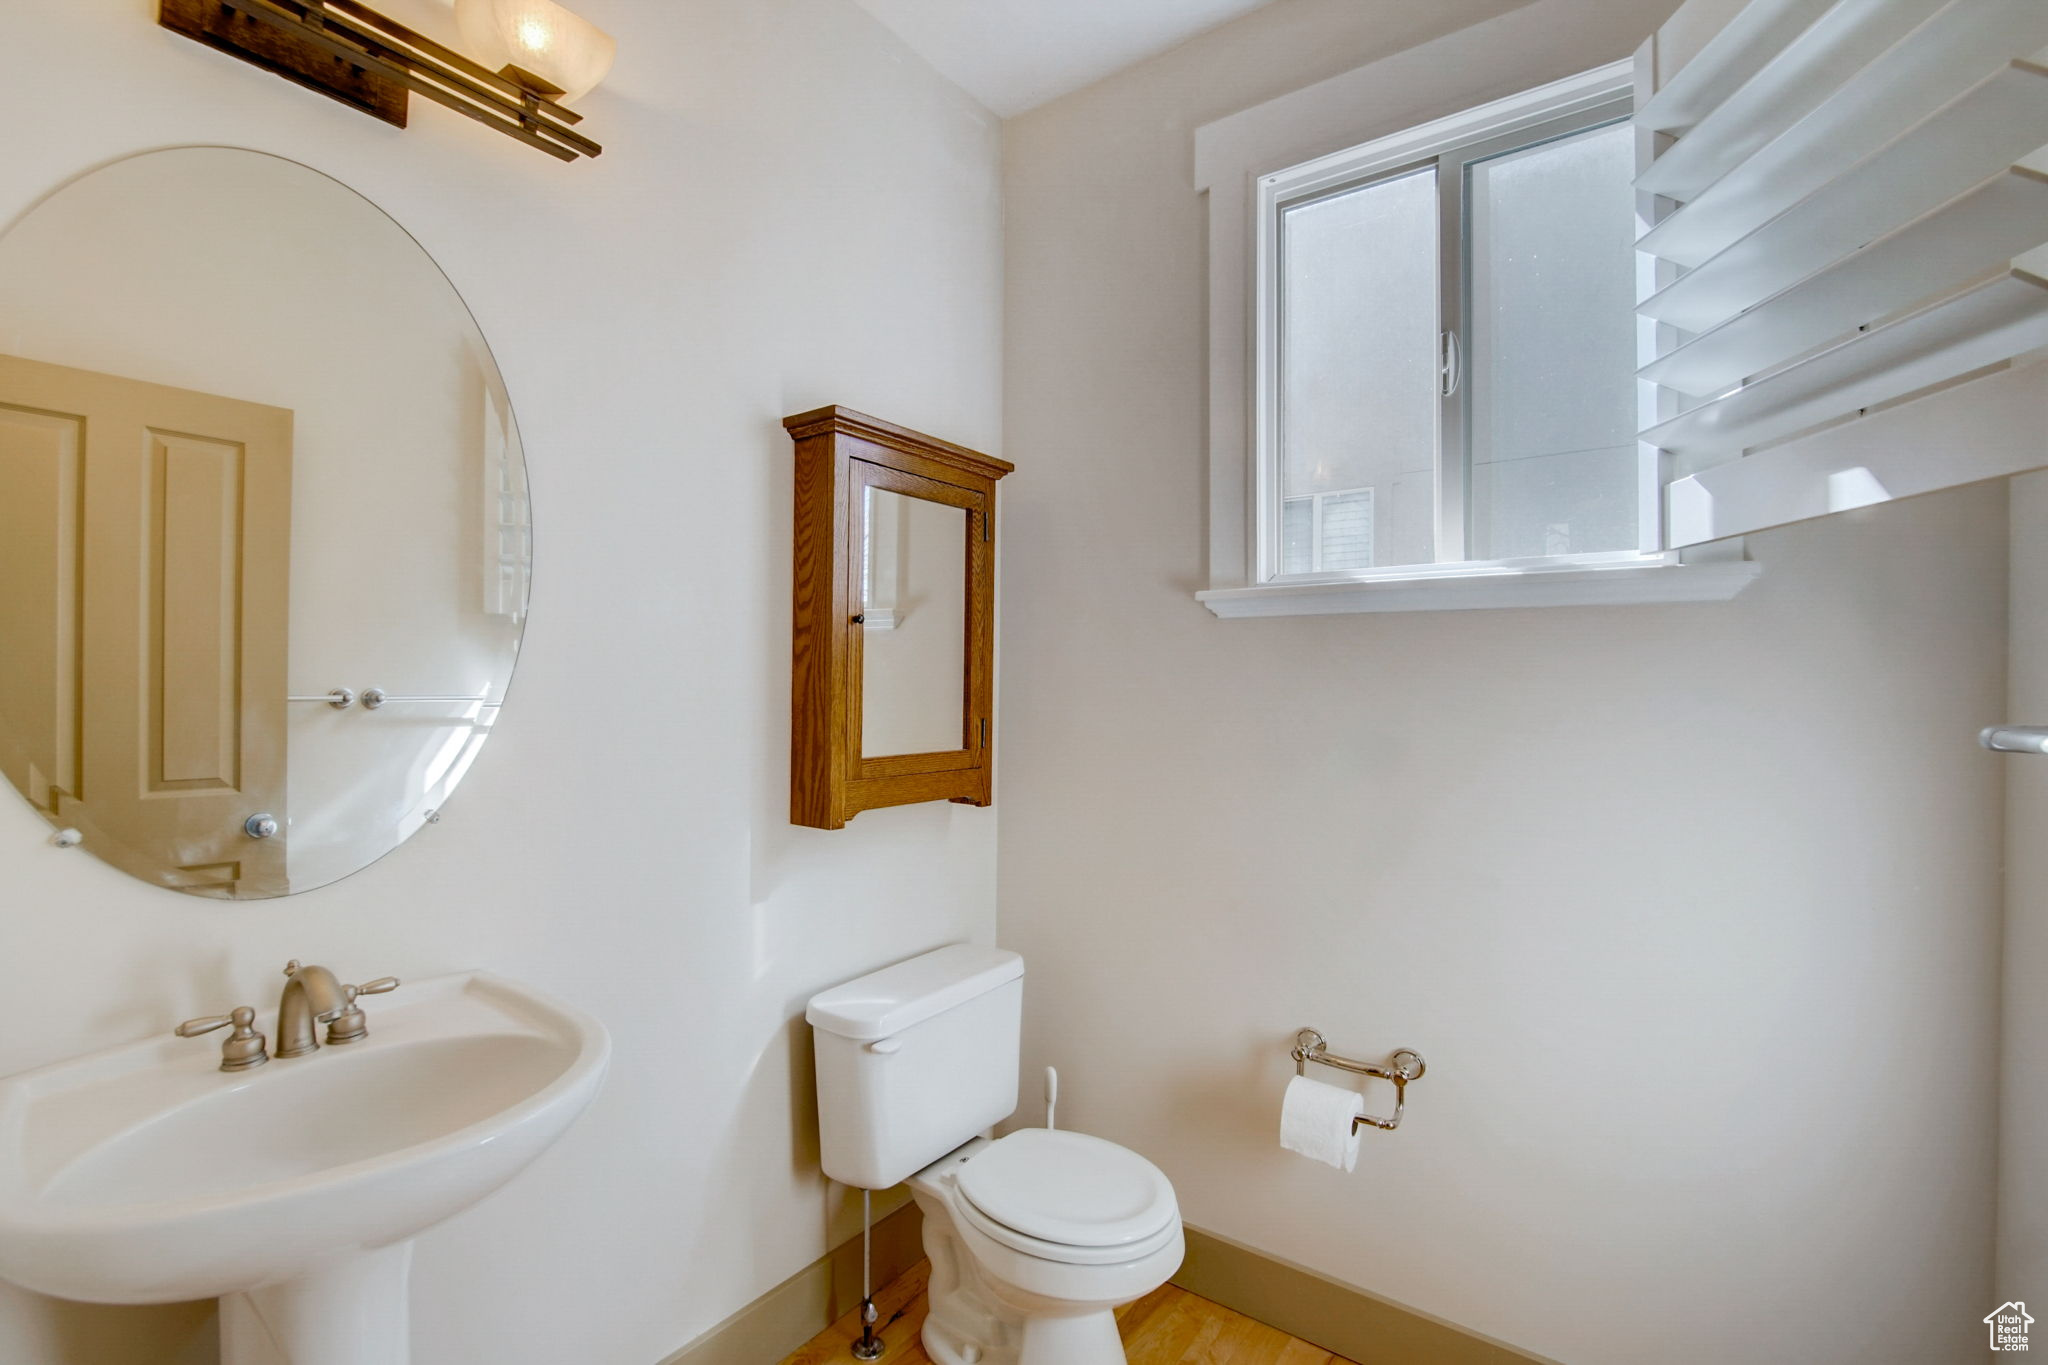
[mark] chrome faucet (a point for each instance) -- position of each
(311, 995)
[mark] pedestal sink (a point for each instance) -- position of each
(144, 1174)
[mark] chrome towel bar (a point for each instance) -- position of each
(1404, 1066)
(341, 698)
(374, 697)
(2015, 739)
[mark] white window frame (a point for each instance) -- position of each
(1250, 165)
(1448, 146)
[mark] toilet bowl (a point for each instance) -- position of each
(1035, 1240)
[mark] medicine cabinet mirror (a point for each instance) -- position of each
(893, 661)
(264, 533)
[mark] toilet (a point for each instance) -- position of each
(1035, 1238)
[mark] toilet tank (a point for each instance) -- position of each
(914, 1060)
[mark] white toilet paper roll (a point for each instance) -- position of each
(1315, 1120)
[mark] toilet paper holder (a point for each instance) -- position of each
(1404, 1066)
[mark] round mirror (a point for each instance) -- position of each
(264, 535)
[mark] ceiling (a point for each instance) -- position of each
(1014, 55)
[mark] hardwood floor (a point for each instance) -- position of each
(1167, 1327)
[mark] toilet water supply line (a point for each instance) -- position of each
(870, 1346)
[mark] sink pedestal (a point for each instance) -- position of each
(352, 1310)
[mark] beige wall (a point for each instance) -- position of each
(2023, 1093)
(1694, 910)
(791, 211)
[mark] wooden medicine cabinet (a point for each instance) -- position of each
(893, 678)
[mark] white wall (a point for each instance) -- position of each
(1693, 910)
(791, 211)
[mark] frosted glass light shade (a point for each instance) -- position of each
(538, 36)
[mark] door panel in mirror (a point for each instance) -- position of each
(173, 637)
(42, 618)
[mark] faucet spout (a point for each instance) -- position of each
(312, 995)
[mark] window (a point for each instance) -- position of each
(1423, 346)
(1447, 350)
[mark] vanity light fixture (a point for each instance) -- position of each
(351, 53)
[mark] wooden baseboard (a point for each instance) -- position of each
(809, 1301)
(1334, 1316)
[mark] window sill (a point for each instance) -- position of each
(1461, 589)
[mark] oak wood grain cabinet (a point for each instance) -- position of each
(892, 683)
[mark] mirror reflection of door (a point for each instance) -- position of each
(145, 533)
(914, 625)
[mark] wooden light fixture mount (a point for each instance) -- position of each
(351, 53)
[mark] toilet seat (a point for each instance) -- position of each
(1031, 1248)
(1067, 1197)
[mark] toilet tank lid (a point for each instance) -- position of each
(882, 1004)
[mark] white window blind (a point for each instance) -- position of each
(1848, 205)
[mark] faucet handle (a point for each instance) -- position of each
(243, 1049)
(350, 1026)
(192, 1028)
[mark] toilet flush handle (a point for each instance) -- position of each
(885, 1046)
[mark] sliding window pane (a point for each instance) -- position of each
(1551, 348)
(1357, 382)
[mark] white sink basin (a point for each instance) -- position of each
(145, 1174)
